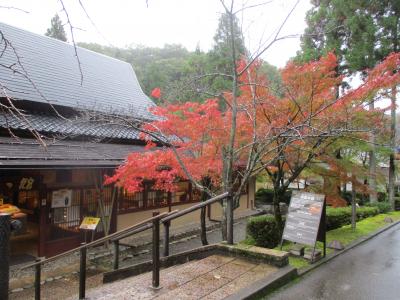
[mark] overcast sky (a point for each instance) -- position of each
(125, 23)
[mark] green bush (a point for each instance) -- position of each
(338, 217)
(264, 231)
(383, 207)
(360, 198)
(382, 197)
(266, 196)
(397, 203)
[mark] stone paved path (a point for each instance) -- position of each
(214, 277)
(68, 286)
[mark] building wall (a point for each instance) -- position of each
(129, 219)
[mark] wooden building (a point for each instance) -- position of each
(59, 184)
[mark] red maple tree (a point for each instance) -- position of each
(257, 131)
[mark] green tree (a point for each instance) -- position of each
(228, 32)
(56, 29)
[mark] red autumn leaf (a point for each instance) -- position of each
(286, 125)
(156, 93)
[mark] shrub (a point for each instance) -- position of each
(360, 198)
(382, 196)
(338, 217)
(383, 207)
(397, 203)
(266, 196)
(264, 231)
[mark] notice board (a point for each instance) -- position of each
(303, 221)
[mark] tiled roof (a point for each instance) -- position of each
(28, 152)
(48, 72)
(46, 124)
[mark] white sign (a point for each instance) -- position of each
(61, 198)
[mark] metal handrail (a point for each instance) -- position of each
(193, 208)
(113, 236)
(153, 222)
(167, 220)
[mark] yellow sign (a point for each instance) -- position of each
(89, 223)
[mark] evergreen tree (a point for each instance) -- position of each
(56, 29)
(222, 50)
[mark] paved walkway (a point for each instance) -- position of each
(369, 271)
(214, 277)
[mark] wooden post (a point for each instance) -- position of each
(37, 278)
(166, 238)
(82, 273)
(156, 252)
(5, 227)
(116, 255)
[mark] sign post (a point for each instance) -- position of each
(89, 223)
(305, 221)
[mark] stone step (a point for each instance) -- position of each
(214, 277)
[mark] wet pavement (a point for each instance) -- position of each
(368, 271)
(214, 277)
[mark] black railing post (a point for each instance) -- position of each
(229, 219)
(82, 272)
(166, 238)
(5, 228)
(116, 255)
(38, 276)
(156, 252)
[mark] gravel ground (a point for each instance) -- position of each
(67, 286)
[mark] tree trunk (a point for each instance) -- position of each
(372, 166)
(229, 220)
(277, 212)
(393, 146)
(203, 227)
(353, 206)
(223, 221)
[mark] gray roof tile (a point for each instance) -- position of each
(28, 152)
(109, 85)
(51, 125)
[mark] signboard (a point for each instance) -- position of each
(26, 184)
(61, 198)
(89, 223)
(304, 218)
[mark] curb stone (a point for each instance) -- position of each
(352, 245)
(266, 285)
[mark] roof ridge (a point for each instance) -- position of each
(62, 42)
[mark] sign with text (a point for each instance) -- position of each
(89, 223)
(61, 198)
(303, 218)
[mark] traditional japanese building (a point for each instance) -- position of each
(53, 158)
